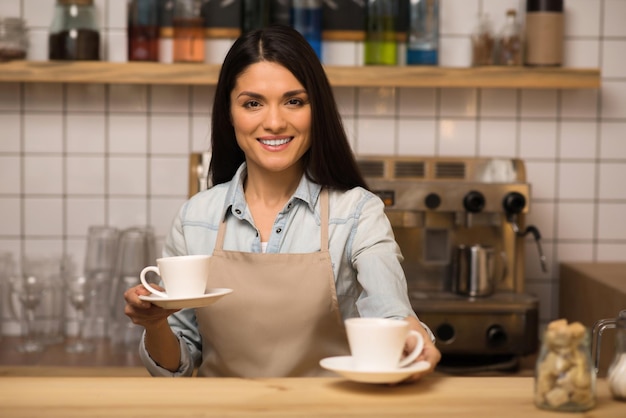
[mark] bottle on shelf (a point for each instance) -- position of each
(423, 36)
(188, 24)
(508, 50)
(483, 42)
(143, 30)
(306, 18)
(74, 33)
(166, 31)
(255, 14)
(380, 32)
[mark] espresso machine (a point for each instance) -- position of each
(448, 215)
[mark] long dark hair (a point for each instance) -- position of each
(329, 162)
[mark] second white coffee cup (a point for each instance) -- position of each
(377, 344)
(184, 276)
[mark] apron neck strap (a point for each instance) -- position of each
(324, 218)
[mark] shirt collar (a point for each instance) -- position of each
(307, 192)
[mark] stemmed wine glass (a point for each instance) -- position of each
(79, 292)
(29, 291)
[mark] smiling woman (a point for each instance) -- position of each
(271, 114)
(290, 225)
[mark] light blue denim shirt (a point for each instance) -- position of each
(365, 257)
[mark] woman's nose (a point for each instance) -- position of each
(274, 119)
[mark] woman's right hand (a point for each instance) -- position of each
(159, 340)
(142, 312)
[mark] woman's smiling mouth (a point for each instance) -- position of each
(275, 142)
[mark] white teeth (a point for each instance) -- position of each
(275, 142)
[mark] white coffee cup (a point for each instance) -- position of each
(377, 344)
(183, 276)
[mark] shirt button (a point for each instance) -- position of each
(289, 206)
(278, 230)
(238, 211)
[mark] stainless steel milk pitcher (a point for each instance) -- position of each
(474, 270)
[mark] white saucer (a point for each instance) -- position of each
(211, 296)
(344, 365)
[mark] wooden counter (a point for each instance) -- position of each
(434, 396)
(592, 291)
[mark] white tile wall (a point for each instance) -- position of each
(77, 155)
(578, 139)
(612, 140)
(498, 103)
(497, 138)
(457, 137)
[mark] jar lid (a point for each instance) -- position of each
(76, 2)
(544, 5)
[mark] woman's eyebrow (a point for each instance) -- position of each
(294, 92)
(250, 94)
(254, 95)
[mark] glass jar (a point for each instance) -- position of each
(617, 370)
(423, 36)
(509, 43)
(13, 39)
(483, 42)
(143, 30)
(188, 25)
(74, 33)
(564, 376)
(306, 18)
(255, 14)
(380, 35)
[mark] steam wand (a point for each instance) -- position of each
(531, 229)
(513, 203)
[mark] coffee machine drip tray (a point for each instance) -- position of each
(501, 324)
(433, 301)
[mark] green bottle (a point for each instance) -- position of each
(380, 35)
(255, 14)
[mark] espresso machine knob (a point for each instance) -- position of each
(474, 201)
(496, 336)
(445, 333)
(432, 200)
(514, 202)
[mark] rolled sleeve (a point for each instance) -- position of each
(185, 368)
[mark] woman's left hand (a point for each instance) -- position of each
(430, 353)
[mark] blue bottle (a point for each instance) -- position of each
(423, 40)
(306, 18)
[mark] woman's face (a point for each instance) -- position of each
(271, 115)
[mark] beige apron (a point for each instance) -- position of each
(281, 319)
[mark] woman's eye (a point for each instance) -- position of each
(295, 102)
(251, 104)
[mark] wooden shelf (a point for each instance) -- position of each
(364, 76)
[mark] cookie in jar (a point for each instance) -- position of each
(564, 374)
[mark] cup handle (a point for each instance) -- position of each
(419, 346)
(144, 282)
